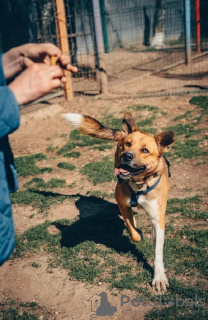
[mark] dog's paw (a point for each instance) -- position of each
(160, 285)
(136, 236)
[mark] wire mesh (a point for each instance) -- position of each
(144, 42)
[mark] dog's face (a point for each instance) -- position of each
(139, 152)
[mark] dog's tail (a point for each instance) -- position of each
(92, 127)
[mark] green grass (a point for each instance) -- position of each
(39, 183)
(100, 171)
(13, 310)
(184, 258)
(26, 165)
(146, 122)
(177, 313)
(97, 248)
(73, 154)
(111, 122)
(131, 282)
(67, 147)
(99, 194)
(186, 149)
(102, 147)
(77, 139)
(51, 148)
(35, 265)
(42, 200)
(201, 102)
(141, 107)
(187, 116)
(187, 207)
(199, 237)
(189, 309)
(85, 269)
(89, 253)
(66, 165)
(187, 129)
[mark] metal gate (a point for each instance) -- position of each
(145, 42)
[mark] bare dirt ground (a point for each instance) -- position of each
(59, 297)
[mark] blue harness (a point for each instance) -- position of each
(135, 194)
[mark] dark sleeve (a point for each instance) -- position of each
(9, 108)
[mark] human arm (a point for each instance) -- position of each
(9, 108)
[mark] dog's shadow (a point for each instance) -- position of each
(101, 223)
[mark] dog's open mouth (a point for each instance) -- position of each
(126, 171)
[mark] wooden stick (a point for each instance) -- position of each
(53, 60)
(64, 44)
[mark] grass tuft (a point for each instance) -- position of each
(186, 149)
(66, 165)
(39, 183)
(100, 171)
(13, 310)
(26, 165)
(73, 154)
(42, 200)
(200, 101)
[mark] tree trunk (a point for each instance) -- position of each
(159, 24)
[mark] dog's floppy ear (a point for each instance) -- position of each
(92, 127)
(129, 125)
(164, 141)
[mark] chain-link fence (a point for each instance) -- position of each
(144, 41)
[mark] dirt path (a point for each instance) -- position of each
(60, 297)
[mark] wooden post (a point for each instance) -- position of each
(103, 81)
(64, 44)
(198, 31)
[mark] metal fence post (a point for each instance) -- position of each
(103, 81)
(187, 6)
(64, 44)
(105, 35)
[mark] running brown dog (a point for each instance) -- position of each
(142, 172)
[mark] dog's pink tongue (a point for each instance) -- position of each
(118, 170)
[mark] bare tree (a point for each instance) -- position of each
(159, 24)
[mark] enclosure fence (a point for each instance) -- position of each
(148, 46)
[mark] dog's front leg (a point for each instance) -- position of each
(123, 196)
(160, 281)
(128, 216)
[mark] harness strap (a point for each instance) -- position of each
(135, 194)
(168, 165)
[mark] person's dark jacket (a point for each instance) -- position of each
(9, 122)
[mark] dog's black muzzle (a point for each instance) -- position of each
(126, 157)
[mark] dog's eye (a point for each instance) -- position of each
(128, 144)
(144, 150)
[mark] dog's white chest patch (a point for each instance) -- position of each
(150, 206)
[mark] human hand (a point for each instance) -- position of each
(37, 80)
(17, 59)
